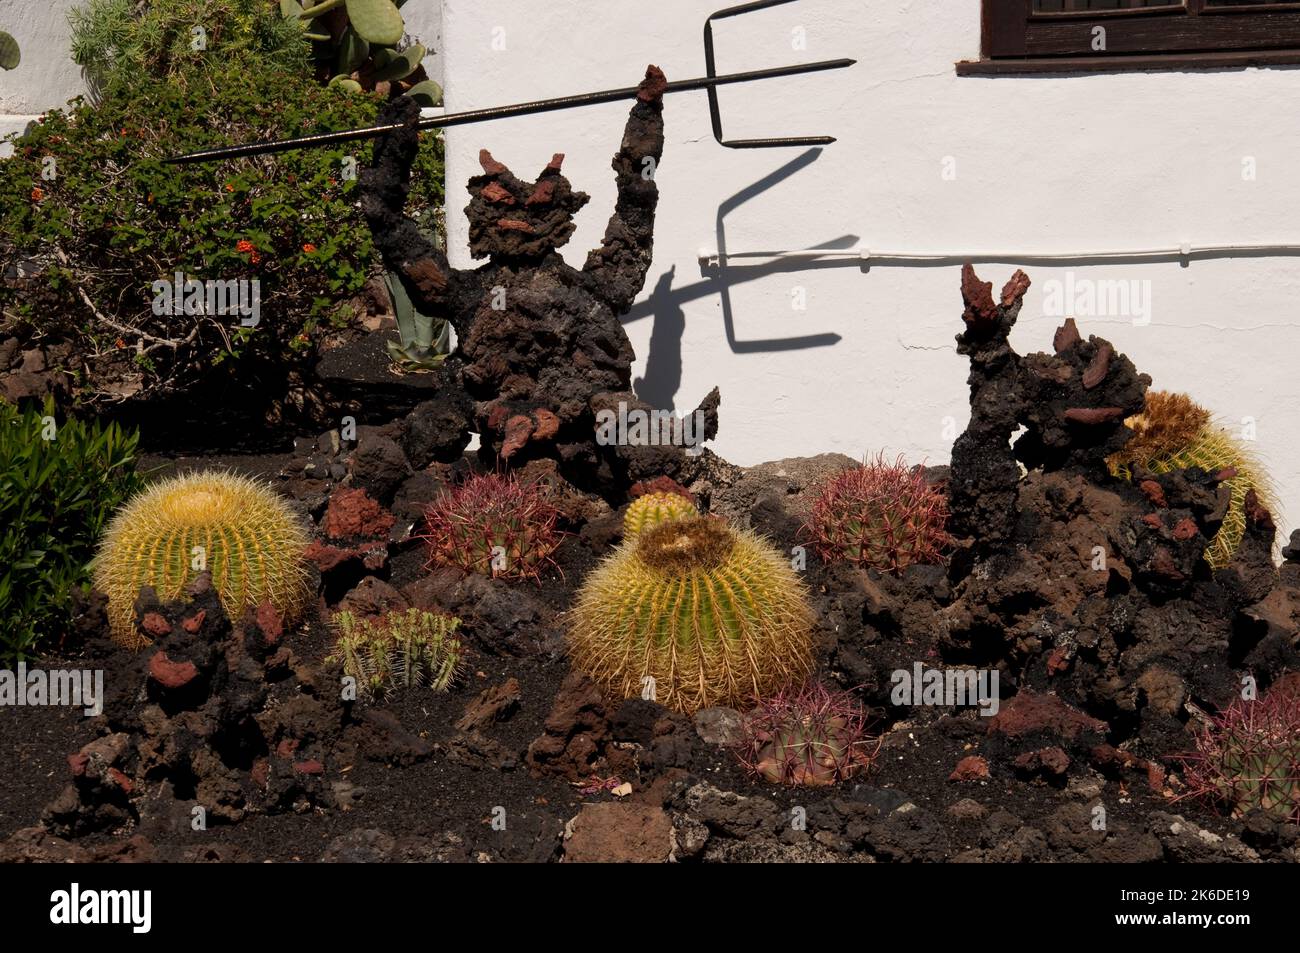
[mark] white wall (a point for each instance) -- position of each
(47, 78)
(1044, 164)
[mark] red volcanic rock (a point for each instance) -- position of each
(1092, 416)
(1100, 366)
(353, 514)
(1154, 492)
(972, 768)
(1067, 336)
(309, 767)
(1032, 711)
(171, 674)
(155, 625)
(194, 622)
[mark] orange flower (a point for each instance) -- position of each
(245, 247)
(309, 248)
(119, 343)
(38, 194)
(229, 187)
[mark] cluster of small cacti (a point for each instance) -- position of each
(693, 614)
(646, 512)
(879, 516)
(10, 55)
(400, 650)
(492, 524)
(1249, 756)
(809, 736)
(1174, 433)
(235, 527)
(357, 41)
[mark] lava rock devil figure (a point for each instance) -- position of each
(540, 343)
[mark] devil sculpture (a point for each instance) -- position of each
(541, 349)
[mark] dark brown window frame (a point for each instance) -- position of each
(1015, 40)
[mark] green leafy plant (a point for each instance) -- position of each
(400, 650)
(711, 614)
(182, 41)
(357, 44)
(88, 205)
(59, 483)
(237, 528)
(10, 55)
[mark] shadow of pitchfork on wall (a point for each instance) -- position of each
(665, 304)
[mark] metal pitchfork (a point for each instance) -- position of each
(710, 82)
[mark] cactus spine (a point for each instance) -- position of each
(694, 614)
(235, 527)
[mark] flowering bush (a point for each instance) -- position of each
(90, 218)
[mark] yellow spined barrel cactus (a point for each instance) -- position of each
(649, 511)
(1173, 432)
(235, 527)
(693, 614)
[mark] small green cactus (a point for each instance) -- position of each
(881, 516)
(401, 650)
(811, 737)
(653, 509)
(10, 55)
(235, 527)
(1248, 758)
(494, 525)
(693, 614)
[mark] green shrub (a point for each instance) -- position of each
(115, 219)
(58, 485)
(116, 40)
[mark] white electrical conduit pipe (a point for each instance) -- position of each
(710, 257)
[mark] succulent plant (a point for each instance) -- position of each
(809, 736)
(357, 46)
(235, 527)
(400, 650)
(714, 615)
(10, 55)
(654, 509)
(879, 516)
(1173, 432)
(492, 524)
(1249, 756)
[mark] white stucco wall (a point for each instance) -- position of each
(1043, 164)
(47, 78)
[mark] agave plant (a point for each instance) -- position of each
(358, 46)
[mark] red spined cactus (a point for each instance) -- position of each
(811, 736)
(879, 516)
(494, 525)
(1249, 756)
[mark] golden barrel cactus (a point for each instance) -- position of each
(649, 511)
(1173, 432)
(235, 527)
(693, 614)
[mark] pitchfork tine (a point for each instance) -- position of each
(715, 112)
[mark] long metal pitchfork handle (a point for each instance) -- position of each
(520, 109)
(715, 113)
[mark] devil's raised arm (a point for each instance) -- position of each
(620, 264)
(385, 185)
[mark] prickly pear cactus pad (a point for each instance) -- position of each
(693, 613)
(236, 528)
